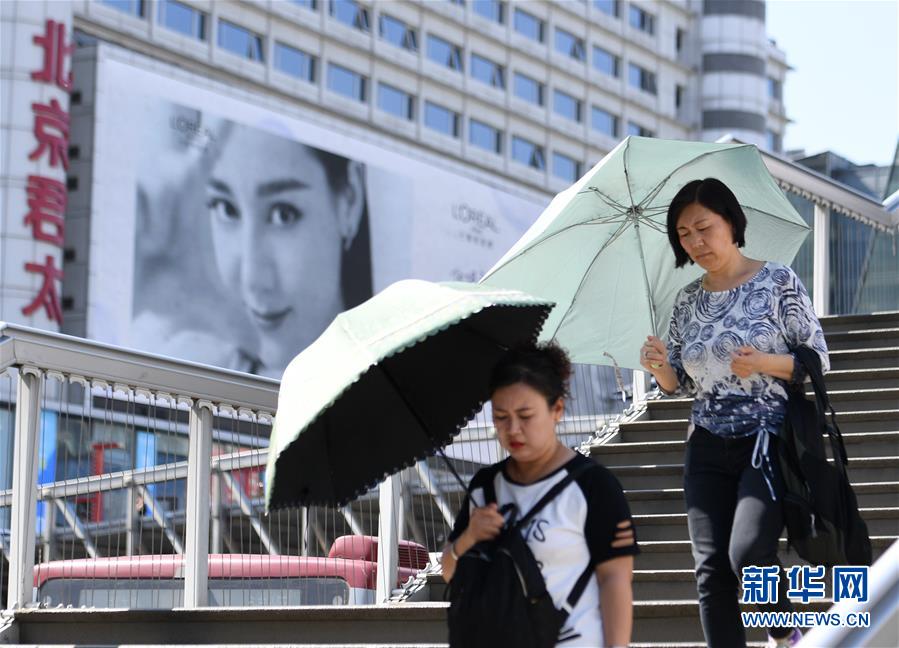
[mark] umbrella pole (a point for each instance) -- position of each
(421, 424)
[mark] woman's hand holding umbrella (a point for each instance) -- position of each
(485, 524)
(654, 358)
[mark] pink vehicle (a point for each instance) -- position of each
(346, 577)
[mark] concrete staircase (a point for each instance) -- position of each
(647, 457)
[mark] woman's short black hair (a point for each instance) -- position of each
(712, 194)
(544, 367)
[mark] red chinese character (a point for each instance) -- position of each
(47, 297)
(53, 42)
(46, 209)
(46, 119)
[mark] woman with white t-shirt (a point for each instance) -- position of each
(587, 526)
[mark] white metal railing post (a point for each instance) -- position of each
(388, 537)
(23, 525)
(199, 472)
(821, 261)
(639, 386)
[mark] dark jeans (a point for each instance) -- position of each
(733, 523)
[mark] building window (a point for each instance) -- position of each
(642, 20)
(566, 106)
(678, 96)
(528, 89)
(444, 52)
(607, 6)
(485, 136)
(528, 153)
(569, 44)
(641, 78)
(566, 168)
(491, 9)
(346, 82)
(294, 62)
(397, 33)
(640, 131)
(605, 61)
(396, 102)
(775, 89)
(443, 120)
(133, 7)
(774, 141)
(240, 41)
(182, 19)
(528, 25)
(312, 5)
(487, 71)
(604, 122)
(680, 37)
(350, 13)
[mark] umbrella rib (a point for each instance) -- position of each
(539, 242)
(420, 421)
(693, 160)
(611, 202)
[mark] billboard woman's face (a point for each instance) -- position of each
(278, 231)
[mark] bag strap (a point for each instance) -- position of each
(576, 592)
(812, 363)
(552, 493)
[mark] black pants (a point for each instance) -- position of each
(733, 523)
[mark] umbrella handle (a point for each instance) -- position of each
(452, 468)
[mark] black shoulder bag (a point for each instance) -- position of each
(820, 508)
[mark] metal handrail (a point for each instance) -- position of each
(98, 362)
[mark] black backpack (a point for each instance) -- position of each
(820, 507)
(498, 596)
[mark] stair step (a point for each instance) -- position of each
(861, 470)
(862, 378)
(658, 621)
(664, 584)
(881, 521)
(862, 338)
(858, 444)
(877, 358)
(671, 500)
(645, 429)
(841, 323)
(843, 400)
(676, 554)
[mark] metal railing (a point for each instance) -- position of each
(115, 454)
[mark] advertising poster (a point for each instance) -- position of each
(229, 232)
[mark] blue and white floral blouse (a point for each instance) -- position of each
(771, 312)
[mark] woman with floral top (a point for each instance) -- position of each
(729, 344)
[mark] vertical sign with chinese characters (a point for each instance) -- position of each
(36, 75)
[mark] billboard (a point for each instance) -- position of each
(230, 230)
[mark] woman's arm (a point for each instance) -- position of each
(616, 600)
(748, 360)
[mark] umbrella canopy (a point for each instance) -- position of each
(388, 383)
(601, 252)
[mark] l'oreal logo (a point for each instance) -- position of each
(192, 131)
(478, 219)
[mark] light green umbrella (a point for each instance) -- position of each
(601, 252)
(388, 383)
